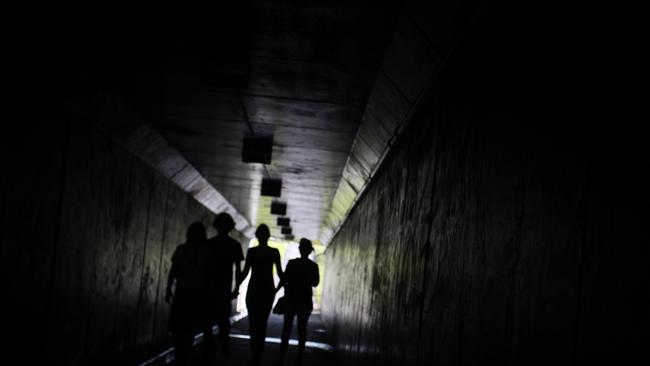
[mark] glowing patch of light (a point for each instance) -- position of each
(292, 342)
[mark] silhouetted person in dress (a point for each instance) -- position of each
(187, 285)
(261, 289)
(299, 277)
(227, 254)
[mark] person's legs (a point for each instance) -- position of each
(209, 346)
(259, 309)
(258, 317)
(223, 321)
(254, 329)
(224, 335)
(182, 347)
(185, 320)
(207, 322)
(264, 320)
(286, 333)
(303, 317)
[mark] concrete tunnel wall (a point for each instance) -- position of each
(88, 233)
(534, 253)
(503, 228)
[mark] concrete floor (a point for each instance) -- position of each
(317, 352)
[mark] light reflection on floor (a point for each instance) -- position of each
(292, 342)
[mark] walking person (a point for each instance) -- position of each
(261, 289)
(299, 277)
(227, 254)
(187, 286)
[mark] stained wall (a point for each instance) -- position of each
(504, 226)
(88, 231)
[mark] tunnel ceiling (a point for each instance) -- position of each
(297, 72)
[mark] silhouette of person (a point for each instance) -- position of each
(189, 278)
(261, 289)
(299, 277)
(227, 252)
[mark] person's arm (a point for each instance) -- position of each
(316, 276)
(237, 256)
(278, 268)
(247, 267)
(238, 274)
(278, 265)
(283, 278)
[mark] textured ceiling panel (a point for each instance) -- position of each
(115, 118)
(311, 66)
(329, 82)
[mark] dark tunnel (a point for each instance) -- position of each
(470, 174)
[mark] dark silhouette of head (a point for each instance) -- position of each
(196, 233)
(305, 247)
(224, 223)
(263, 234)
